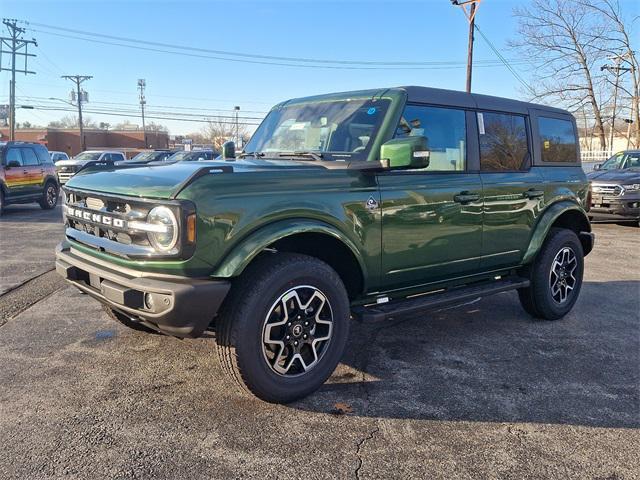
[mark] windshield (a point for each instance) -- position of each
(87, 156)
(339, 129)
(143, 157)
(622, 160)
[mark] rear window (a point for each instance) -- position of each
(557, 140)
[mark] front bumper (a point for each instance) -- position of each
(182, 306)
(617, 208)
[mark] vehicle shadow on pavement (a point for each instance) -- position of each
(489, 361)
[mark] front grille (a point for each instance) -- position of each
(106, 217)
(63, 177)
(610, 190)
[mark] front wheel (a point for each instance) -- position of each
(556, 276)
(283, 328)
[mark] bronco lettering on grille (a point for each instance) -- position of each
(97, 218)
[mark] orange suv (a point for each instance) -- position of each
(27, 174)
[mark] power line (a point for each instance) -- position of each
(504, 60)
(242, 54)
(434, 66)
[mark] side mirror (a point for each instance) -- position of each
(228, 150)
(597, 166)
(406, 152)
(13, 164)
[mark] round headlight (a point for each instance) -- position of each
(167, 235)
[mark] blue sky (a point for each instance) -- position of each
(426, 30)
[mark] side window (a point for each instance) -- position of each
(43, 155)
(557, 140)
(445, 130)
(503, 142)
(13, 155)
(106, 157)
(117, 157)
(29, 157)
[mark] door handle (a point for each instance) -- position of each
(25, 171)
(532, 193)
(466, 197)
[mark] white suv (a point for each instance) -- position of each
(68, 168)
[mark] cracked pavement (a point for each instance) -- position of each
(478, 391)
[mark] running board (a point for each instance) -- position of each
(452, 296)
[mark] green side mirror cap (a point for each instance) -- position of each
(406, 152)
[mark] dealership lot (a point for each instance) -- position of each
(477, 391)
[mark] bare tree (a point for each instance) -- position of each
(71, 121)
(618, 43)
(218, 130)
(562, 39)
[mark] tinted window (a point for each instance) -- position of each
(117, 157)
(445, 131)
(43, 154)
(503, 142)
(29, 157)
(557, 140)
(13, 155)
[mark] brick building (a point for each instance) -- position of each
(68, 139)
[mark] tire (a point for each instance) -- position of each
(50, 194)
(274, 289)
(126, 321)
(556, 276)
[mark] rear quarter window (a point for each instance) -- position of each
(557, 140)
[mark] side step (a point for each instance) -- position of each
(377, 313)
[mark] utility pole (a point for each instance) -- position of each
(142, 83)
(81, 96)
(237, 110)
(17, 47)
(469, 8)
(617, 69)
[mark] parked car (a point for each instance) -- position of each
(148, 157)
(68, 168)
(57, 156)
(192, 156)
(27, 174)
(615, 187)
(371, 204)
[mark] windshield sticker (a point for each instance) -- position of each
(371, 111)
(297, 126)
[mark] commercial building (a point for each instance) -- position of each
(68, 139)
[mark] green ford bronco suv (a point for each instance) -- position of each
(366, 205)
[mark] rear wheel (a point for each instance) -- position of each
(556, 276)
(283, 328)
(49, 196)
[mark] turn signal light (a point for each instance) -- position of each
(191, 228)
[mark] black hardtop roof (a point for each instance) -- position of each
(440, 96)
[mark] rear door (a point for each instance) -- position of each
(432, 217)
(35, 171)
(512, 190)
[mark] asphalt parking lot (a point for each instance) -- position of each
(477, 391)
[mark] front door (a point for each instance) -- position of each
(512, 189)
(16, 176)
(432, 217)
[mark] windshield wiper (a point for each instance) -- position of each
(251, 154)
(313, 155)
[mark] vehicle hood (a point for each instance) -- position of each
(164, 181)
(69, 163)
(621, 177)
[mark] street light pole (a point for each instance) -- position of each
(237, 110)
